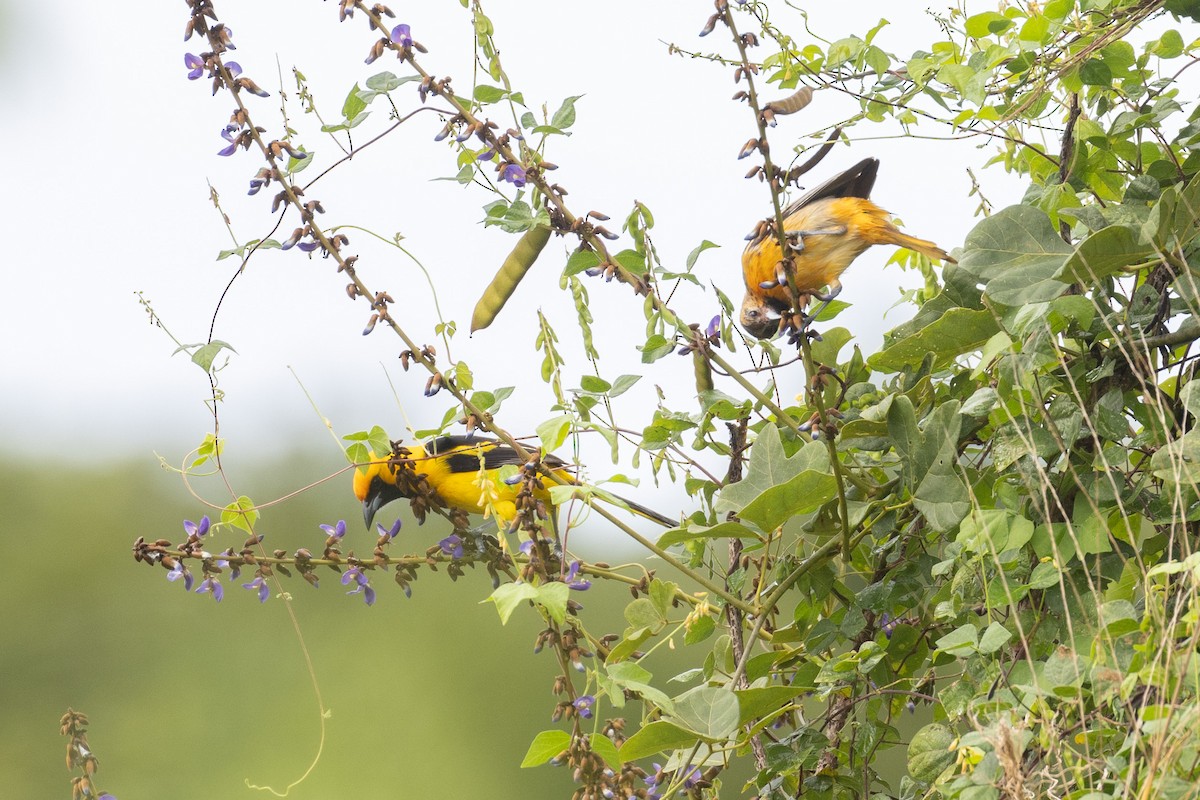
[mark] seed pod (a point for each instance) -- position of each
(526, 251)
(792, 103)
(703, 373)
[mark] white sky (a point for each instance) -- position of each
(110, 148)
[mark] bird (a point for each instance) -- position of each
(827, 228)
(450, 467)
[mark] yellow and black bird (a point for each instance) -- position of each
(828, 228)
(450, 465)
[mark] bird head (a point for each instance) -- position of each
(756, 318)
(376, 487)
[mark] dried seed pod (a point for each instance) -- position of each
(792, 103)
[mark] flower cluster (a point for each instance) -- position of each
(362, 585)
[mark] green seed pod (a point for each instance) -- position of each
(704, 378)
(528, 247)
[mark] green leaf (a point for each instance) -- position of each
(545, 746)
(776, 487)
(958, 331)
(1036, 29)
(759, 702)
(1184, 8)
(699, 630)
(642, 613)
(931, 752)
(510, 595)
(993, 638)
(1095, 72)
(622, 384)
(565, 116)
(710, 711)
(488, 94)
(353, 105)
(993, 531)
(604, 747)
(843, 50)
(553, 598)
(657, 737)
(631, 676)
(656, 347)
(942, 497)
(700, 248)
(1044, 575)
(594, 384)
(1170, 45)
(986, 24)
(960, 641)
(581, 260)
(205, 354)
(553, 432)
(1063, 670)
(1024, 285)
(386, 81)
(630, 642)
(241, 514)
(693, 532)
(1014, 237)
(1106, 252)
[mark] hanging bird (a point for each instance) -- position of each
(450, 465)
(827, 229)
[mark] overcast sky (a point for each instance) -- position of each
(111, 148)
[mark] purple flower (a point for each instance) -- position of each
(574, 581)
(196, 65)
(452, 545)
(402, 35)
(583, 704)
(391, 532)
(234, 68)
(261, 585)
(714, 328)
(211, 584)
(693, 777)
(514, 174)
(180, 571)
(192, 529)
(229, 134)
(527, 547)
(335, 531)
(261, 179)
(363, 586)
(486, 155)
(653, 780)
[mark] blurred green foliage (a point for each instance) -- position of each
(189, 698)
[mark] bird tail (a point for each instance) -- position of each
(642, 511)
(923, 246)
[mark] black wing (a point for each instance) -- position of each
(854, 182)
(495, 454)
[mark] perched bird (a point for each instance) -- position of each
(827, 228)
(450, 467)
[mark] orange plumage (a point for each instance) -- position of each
(829, 228)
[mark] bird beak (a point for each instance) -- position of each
(371, 506)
